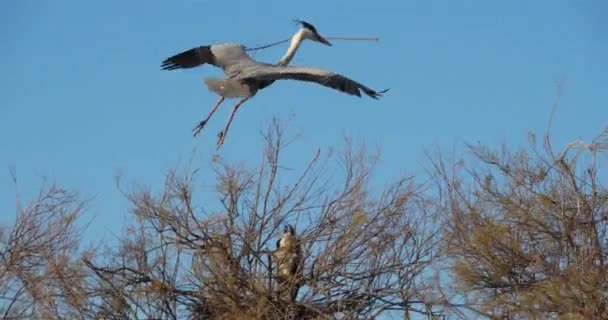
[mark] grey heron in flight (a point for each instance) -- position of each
(244, 76)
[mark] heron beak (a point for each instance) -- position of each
(322, 40)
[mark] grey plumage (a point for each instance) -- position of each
(244, 76)
(323, 77)
(229, 88)
(240, 69)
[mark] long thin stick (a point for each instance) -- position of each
(268, 45)
(347, 38)
(328, 38)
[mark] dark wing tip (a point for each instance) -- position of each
(169, 64)
(189, 59)
(375, 94)
(380, 94)
(352, 87)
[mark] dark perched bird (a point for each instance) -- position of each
(244, 76)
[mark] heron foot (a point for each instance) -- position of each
(199, 128)
(220, 138)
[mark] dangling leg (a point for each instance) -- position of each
(222, 135)
(200, 126)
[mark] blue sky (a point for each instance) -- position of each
(83, 96)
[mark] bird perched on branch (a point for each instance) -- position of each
(244, 76)
(288, 259)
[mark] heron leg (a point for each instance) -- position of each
(200, 126)
(222, 135)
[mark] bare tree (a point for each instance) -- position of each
(363, 255)
(361, 252)
(523, 236)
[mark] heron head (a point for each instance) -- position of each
(289, 229)
(311, 33)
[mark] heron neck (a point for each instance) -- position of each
(296, 40)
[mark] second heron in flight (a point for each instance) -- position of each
(245, 76)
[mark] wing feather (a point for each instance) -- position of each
(189, 59)
(323, 77)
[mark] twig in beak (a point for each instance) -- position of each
(348, 38)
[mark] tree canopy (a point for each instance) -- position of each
(495, 234)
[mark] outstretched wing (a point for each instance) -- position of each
(323, 77)
(189, 59)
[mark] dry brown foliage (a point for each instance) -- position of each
(527, 230)
(365, 252)
(40, 276)
(506, 235)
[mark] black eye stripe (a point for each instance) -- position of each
(308, 26)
